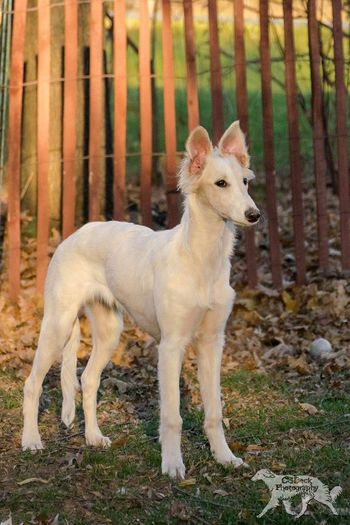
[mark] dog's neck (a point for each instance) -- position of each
(204, 233)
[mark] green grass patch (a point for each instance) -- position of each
(123, 484)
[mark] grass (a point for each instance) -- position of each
(123, 485)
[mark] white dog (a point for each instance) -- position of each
(174, 284)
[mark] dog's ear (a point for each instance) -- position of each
(233, 143)
(198, 147)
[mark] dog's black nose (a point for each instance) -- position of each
(252, 215)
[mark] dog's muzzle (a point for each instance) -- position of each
(252, 215)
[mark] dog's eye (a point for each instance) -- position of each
(221, 183)
(245, 181)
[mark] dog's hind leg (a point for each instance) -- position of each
(107, 325)
(55, 330)
(69, 381)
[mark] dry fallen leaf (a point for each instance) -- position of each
(226, 422)
(308, 408)
(299, 364)
(254, 448)
(292, 305)
(188, 482)
(276, 465)
(237, 446)
(119, 442)
(220, 492)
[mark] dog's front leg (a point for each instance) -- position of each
(169, 366)
(209, 364)
(210, 343)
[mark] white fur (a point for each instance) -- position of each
(174, 283)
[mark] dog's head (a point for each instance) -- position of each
(220, 176)
(263, 474)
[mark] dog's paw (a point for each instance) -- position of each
(98, 440)
(174, 468)
(68, 414)
(227, 459)
(32, 442)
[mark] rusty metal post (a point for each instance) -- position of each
(169, 113)
(342, 135)
(14, 158)
(294, 142)
(215, 72)
(120, 107)
(269, 162)
(43, 138)
(96, 108)
(69, 116)
(318, 136)
(242, 113)
(192, 93)
(145, 113)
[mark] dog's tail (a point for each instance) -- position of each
(335, 492)
(69, 381)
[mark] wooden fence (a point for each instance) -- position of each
(69, 126)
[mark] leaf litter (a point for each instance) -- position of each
(269, 332)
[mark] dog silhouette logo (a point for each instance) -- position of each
(284, 488)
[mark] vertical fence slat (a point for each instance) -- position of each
(145, 113)
(96, 115)
(242, 113)
(120, 107)
(69, 116)
(192, 93)
(5, 47)
(14, 158)
(318, 136)
(294, 142)
(169, 113)
(215, 72)
(43, 141)
(269, 162)
(342, 138)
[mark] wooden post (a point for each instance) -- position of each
(14, 158)
(69, 116)
(120, 106)
(215, 72)
(96, 107)
(294, 142)
(342, 135)
(242, 112)
(43, 139)
(145, 113)
(269, 162)
(169, 113)
(318, 136)
(192, 93)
